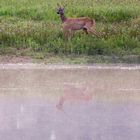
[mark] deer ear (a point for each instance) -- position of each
(64, 5)
(58, 5)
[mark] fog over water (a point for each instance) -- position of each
(60, 102)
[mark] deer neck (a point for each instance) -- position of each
(63, 18)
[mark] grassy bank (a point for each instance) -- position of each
(32, 27)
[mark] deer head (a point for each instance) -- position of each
(60, 10)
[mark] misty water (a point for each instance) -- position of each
(45, 102)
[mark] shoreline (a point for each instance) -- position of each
(72, 59)
(70, 66)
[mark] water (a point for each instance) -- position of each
(40, 102)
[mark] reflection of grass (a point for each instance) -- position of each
(33, 26)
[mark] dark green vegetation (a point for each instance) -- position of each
(32, 27)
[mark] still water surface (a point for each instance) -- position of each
(40, 102)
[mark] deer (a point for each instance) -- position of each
(70, 25)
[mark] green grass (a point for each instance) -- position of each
(32, 26)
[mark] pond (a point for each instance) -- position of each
(60, 102)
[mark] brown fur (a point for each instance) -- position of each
(84, 23)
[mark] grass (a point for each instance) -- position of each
(32, 27)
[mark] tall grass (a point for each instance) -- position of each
(33, 25)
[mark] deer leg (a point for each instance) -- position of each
(60, 104)
(71, 32)
(92, 31)
(85, 30)
(66, 34)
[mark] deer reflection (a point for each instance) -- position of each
(73, 93)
